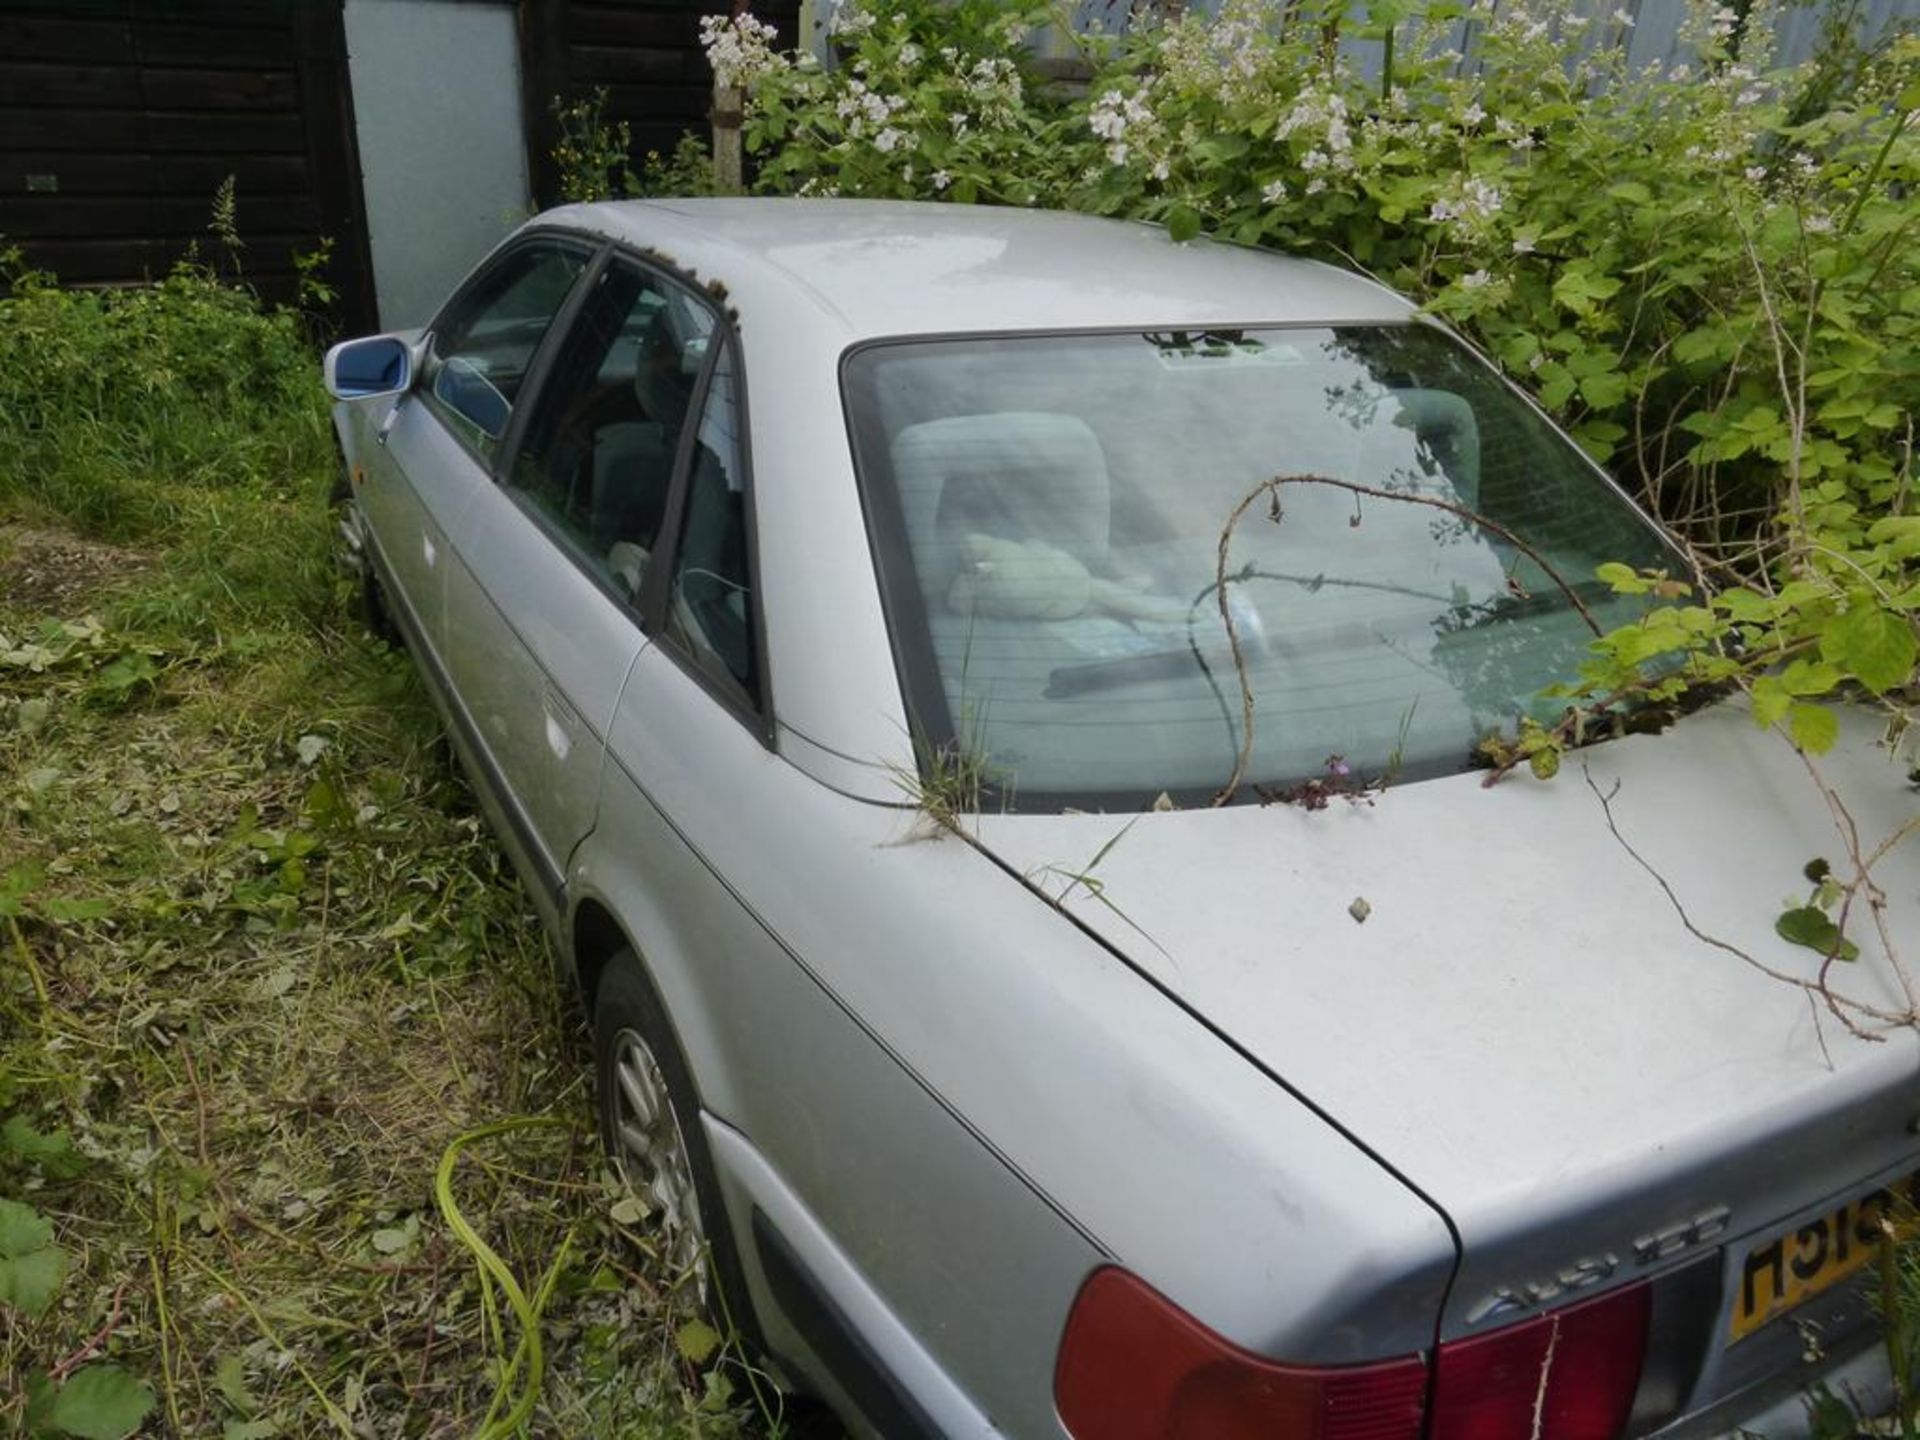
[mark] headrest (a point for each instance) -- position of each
(1444, 422)
(1016, 475)
(663, 370)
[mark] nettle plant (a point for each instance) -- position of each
(1708, 271)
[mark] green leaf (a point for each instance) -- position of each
(100, 1402)
(1745, 606)
(1183, 223)
(1809, 677)
(696, 1341)
(1876, 646)
(396, 1238)
(65, 912)
(53, 1153)
(30, 1281)
(1813, 727)
(230, 1379)
(1812, 927)
(22, 1229)
(1624, 579)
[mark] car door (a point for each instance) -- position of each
(542, 623)
(435, 446)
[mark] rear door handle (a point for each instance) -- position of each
(560, 722)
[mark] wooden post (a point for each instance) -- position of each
(729, 113)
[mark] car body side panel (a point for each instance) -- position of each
(418, 482)
(539, 653)
(867, 1002)
(752, 1185)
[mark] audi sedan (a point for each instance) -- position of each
(987, 704)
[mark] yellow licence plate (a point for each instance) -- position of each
(1783, 1272)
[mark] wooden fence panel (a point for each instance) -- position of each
(120, 119)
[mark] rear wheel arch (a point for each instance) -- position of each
(594, 938)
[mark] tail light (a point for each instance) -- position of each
(1566, 1375)
(1134, 1366)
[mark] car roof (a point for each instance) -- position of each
(871, 268)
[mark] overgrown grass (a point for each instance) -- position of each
(264, 965)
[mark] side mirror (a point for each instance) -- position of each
(378, 365)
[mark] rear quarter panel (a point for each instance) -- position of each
(975, 1100)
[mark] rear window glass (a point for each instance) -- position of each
(1049, 513)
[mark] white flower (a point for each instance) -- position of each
(1623, 18)
(1478, 280)
(850, 19)
(1819, 224)
(1536, 360)
(1117, 153)
(941, 179)
(1316, 185)
(888, 140)
(739, 49)
(1275, 192)
(1523, 244)
(1473, 114)
(910, 55)
(1477, 201)
(1161, 169)
(1756, 173)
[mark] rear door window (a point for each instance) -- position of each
(601, 445)
(710, 613)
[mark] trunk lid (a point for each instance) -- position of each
(1522, 1026)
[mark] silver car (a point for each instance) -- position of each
(1054, 964)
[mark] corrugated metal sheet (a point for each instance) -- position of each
(1654, 38)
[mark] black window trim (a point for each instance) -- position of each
(648, 608)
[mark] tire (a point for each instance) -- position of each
(637, 1065)
(352, 562)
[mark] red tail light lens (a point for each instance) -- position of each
(1134, 1366)
(1567, 1375)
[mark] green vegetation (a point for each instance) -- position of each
(265, 973)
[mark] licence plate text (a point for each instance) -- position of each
(1792, 1268)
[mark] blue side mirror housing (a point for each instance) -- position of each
(378, 365)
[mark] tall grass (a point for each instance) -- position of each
(183, 413)
(262, 971)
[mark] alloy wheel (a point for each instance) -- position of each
(652, 1154)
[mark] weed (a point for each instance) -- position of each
(264, 967)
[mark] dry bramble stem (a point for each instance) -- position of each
(1271, 489)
